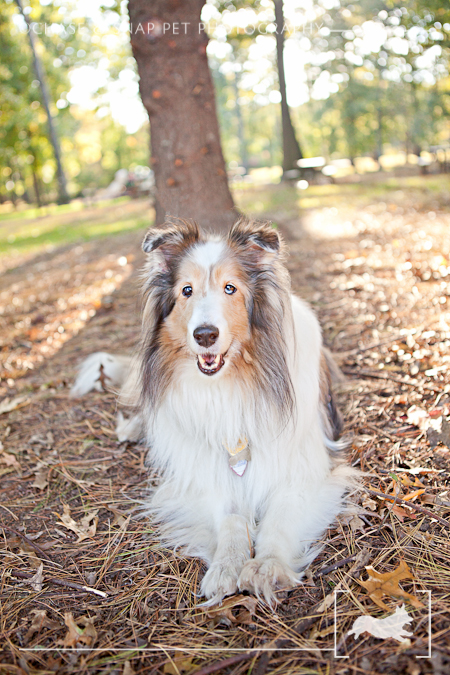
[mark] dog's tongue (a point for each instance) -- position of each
(209, 359)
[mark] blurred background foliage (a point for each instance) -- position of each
(365, 80)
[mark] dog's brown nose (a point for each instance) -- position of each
(206, 335)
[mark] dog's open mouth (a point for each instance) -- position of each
(210, 363)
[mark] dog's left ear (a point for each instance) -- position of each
(260, 241)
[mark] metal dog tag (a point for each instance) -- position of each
(239, 457)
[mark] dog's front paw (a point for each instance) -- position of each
(265, 576)
(220, 580)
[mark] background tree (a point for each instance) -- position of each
(40, 74)
(291, 147)
(178, 94)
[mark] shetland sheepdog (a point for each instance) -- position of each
(231, 389)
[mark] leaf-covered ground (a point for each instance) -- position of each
(85, 587)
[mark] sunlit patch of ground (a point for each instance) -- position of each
(47, 292)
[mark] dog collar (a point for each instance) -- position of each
(239, 456)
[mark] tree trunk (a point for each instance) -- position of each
(240, 124)
(291, 147)
(169, 44)
(379, 150)
(37, 193)
(62, 183)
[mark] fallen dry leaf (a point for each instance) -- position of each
(76, 635)
(356, 524)
(407, 482)
(85, 529)
(412, 495)
(127, 668)
(40, 621)
(369, 503)
(120, 519)
(10, 404)
(9, 459)
(37, 579)
(379, 584)
(402, 513)
(223, 613)
(40, 479)
(180, 665)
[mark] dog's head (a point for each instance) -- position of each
(216, 304)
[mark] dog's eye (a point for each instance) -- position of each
(230, 289)
(187, 291)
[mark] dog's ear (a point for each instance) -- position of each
(260, 241)
(171, 238)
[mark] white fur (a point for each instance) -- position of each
(209, 253)
(129, 429)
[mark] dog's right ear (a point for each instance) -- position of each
(171, 239)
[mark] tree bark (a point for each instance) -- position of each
(62, 183)
(169, 45)
(291, 147)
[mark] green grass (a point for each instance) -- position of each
(287, 198)
(24, 231)
(7, 212)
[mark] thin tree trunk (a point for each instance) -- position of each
(37, 192)
(169, 44)
(240, 121)
(62, 183)
(291, 147)
(379, 150)
(25, 195)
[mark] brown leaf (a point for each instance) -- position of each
(85, 529)
(120, 519)
(40, 479)
(40, 621)
(402, 513)
(379, 584)
(180, 665)
(369, 503)
(223, 613)
(36, 581)
(9, 459)
(127, 668)
(76, 635)
(356, 524)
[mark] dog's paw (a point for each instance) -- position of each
(265, 576)
(220, 580)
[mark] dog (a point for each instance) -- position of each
(232, 391)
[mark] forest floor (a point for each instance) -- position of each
(85, 586)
